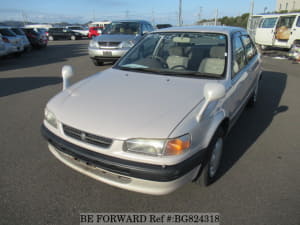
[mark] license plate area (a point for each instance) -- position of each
(107, 53)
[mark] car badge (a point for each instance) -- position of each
(83, 136)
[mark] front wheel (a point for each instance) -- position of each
(51, 38)
(212, 162)
(73, 37)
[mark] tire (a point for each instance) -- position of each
(73, 37)
(212, 160)
(97, 62)
(51, 38)
(253, 99)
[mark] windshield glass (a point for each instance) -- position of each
(180, 53)
(122, 28)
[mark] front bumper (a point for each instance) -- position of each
(130, 175)
(106, 54)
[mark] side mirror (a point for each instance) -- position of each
(67, 72)
(214, 91)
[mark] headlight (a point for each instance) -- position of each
(50, 118)
(127, 44)
(158, 147)
(93, 44)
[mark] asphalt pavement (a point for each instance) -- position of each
(259, 181)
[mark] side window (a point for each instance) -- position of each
(144, 28)
(250, 49)
(268, 22)
(149, 27)
(239, 59)
(298, 22)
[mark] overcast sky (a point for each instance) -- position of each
(159, 11)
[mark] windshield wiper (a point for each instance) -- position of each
(193, 74)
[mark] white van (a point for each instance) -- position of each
(99, 24)
(276, 30)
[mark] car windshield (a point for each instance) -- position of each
(179, 53)
(122, 28)
(17, 31)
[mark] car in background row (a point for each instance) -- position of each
(3, 48)
(63, 33)
(95, 31)
(20, 33)
(116, 39)
(36, 39)
(14, 43)
(83, 31)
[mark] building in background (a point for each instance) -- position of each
(289, 5)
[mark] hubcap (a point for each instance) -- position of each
(215, 158)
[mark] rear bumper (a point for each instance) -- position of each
(130, 175)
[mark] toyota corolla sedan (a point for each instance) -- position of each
(158, 118)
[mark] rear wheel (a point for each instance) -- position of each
(51, 38)
(73, 37)
(252, 101)
(97, 62)
(212, 161)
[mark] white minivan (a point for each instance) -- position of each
(277, 30)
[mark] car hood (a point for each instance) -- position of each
(116, 37)
(121, 104)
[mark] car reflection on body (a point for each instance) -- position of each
(158, 118)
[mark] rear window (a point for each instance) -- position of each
(18, 31)
(7, 32)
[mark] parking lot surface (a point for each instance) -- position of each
(259, 181)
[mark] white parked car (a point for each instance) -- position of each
(14, 43)
(158, 118)
(3, 48)
(20, 34)
(83, 31)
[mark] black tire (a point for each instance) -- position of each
(73, 37)
(253, 99)
(97, 62)
(206, 175)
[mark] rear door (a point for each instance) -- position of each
(284, 30)
(265, 33)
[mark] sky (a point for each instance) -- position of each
(155, 11)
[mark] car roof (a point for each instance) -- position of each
(138, 21)
(210, 29)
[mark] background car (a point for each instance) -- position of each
(3, 49)
(79, 29)
(116, 39)
(63, 33)
(20, 33)
(15, 43)
(95, 31)
(36, 39)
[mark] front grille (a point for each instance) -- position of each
(108, 44)
(87, 137)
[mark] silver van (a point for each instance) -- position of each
(116, 39)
